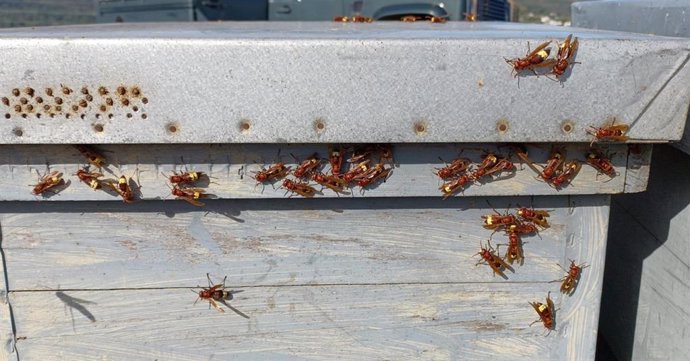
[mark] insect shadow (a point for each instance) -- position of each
(77, 304)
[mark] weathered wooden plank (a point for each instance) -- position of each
(645, 303)
(663, 210)
(662, 321)
(430, 322)
(288, 242)
(327, 82)
(127, 322)
(7, 341)
(637, 169)
(232, 167)
(645, 307)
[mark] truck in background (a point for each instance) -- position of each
(297, 10)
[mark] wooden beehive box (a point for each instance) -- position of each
(389, 273)
(648, 293)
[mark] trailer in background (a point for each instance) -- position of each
(296, 10)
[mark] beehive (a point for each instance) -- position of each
(388, 273)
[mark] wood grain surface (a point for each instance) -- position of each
(320, 279)
(7, 335)
(645, 304)
(232, 167)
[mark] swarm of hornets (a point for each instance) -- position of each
(122, 186)
(557, 171)
(363, 166)
(364, 169)
(125, 187)
(406, 19)
(366, 166)
(526, 221)
(538, 62)
(460, 173)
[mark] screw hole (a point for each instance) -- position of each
(15, 92)
(98, 116)
(58, 108)
(125, 102)
(502, 126)
(144, 116)
(29, 108)
(83, 116)
(23, 100)
(121, 90)
(98, 128)
(103, 108)
(68, 115)
(419, 128)
(58, 100)
(24, 115)
(109, 101)
(39, 100)
(75, 108)
(245, 126)
(319, 125)
(145, 100)
(5, 101)
(102, 90)
(129, 115)
(89, 97)
(18, 132)
(84, 90)
(567, 127)
(7, 116)
(172, 128)
(110, 116)
(135, 108)
(38, 115)
(49, 92)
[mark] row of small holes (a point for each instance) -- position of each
(75, 108)
(83, 103)
(122, 91)
(98, 128)
(82, 116)
(58, 100)
(419, 127)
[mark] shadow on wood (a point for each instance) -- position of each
(643, 266)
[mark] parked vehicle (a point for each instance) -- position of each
(301, 10)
